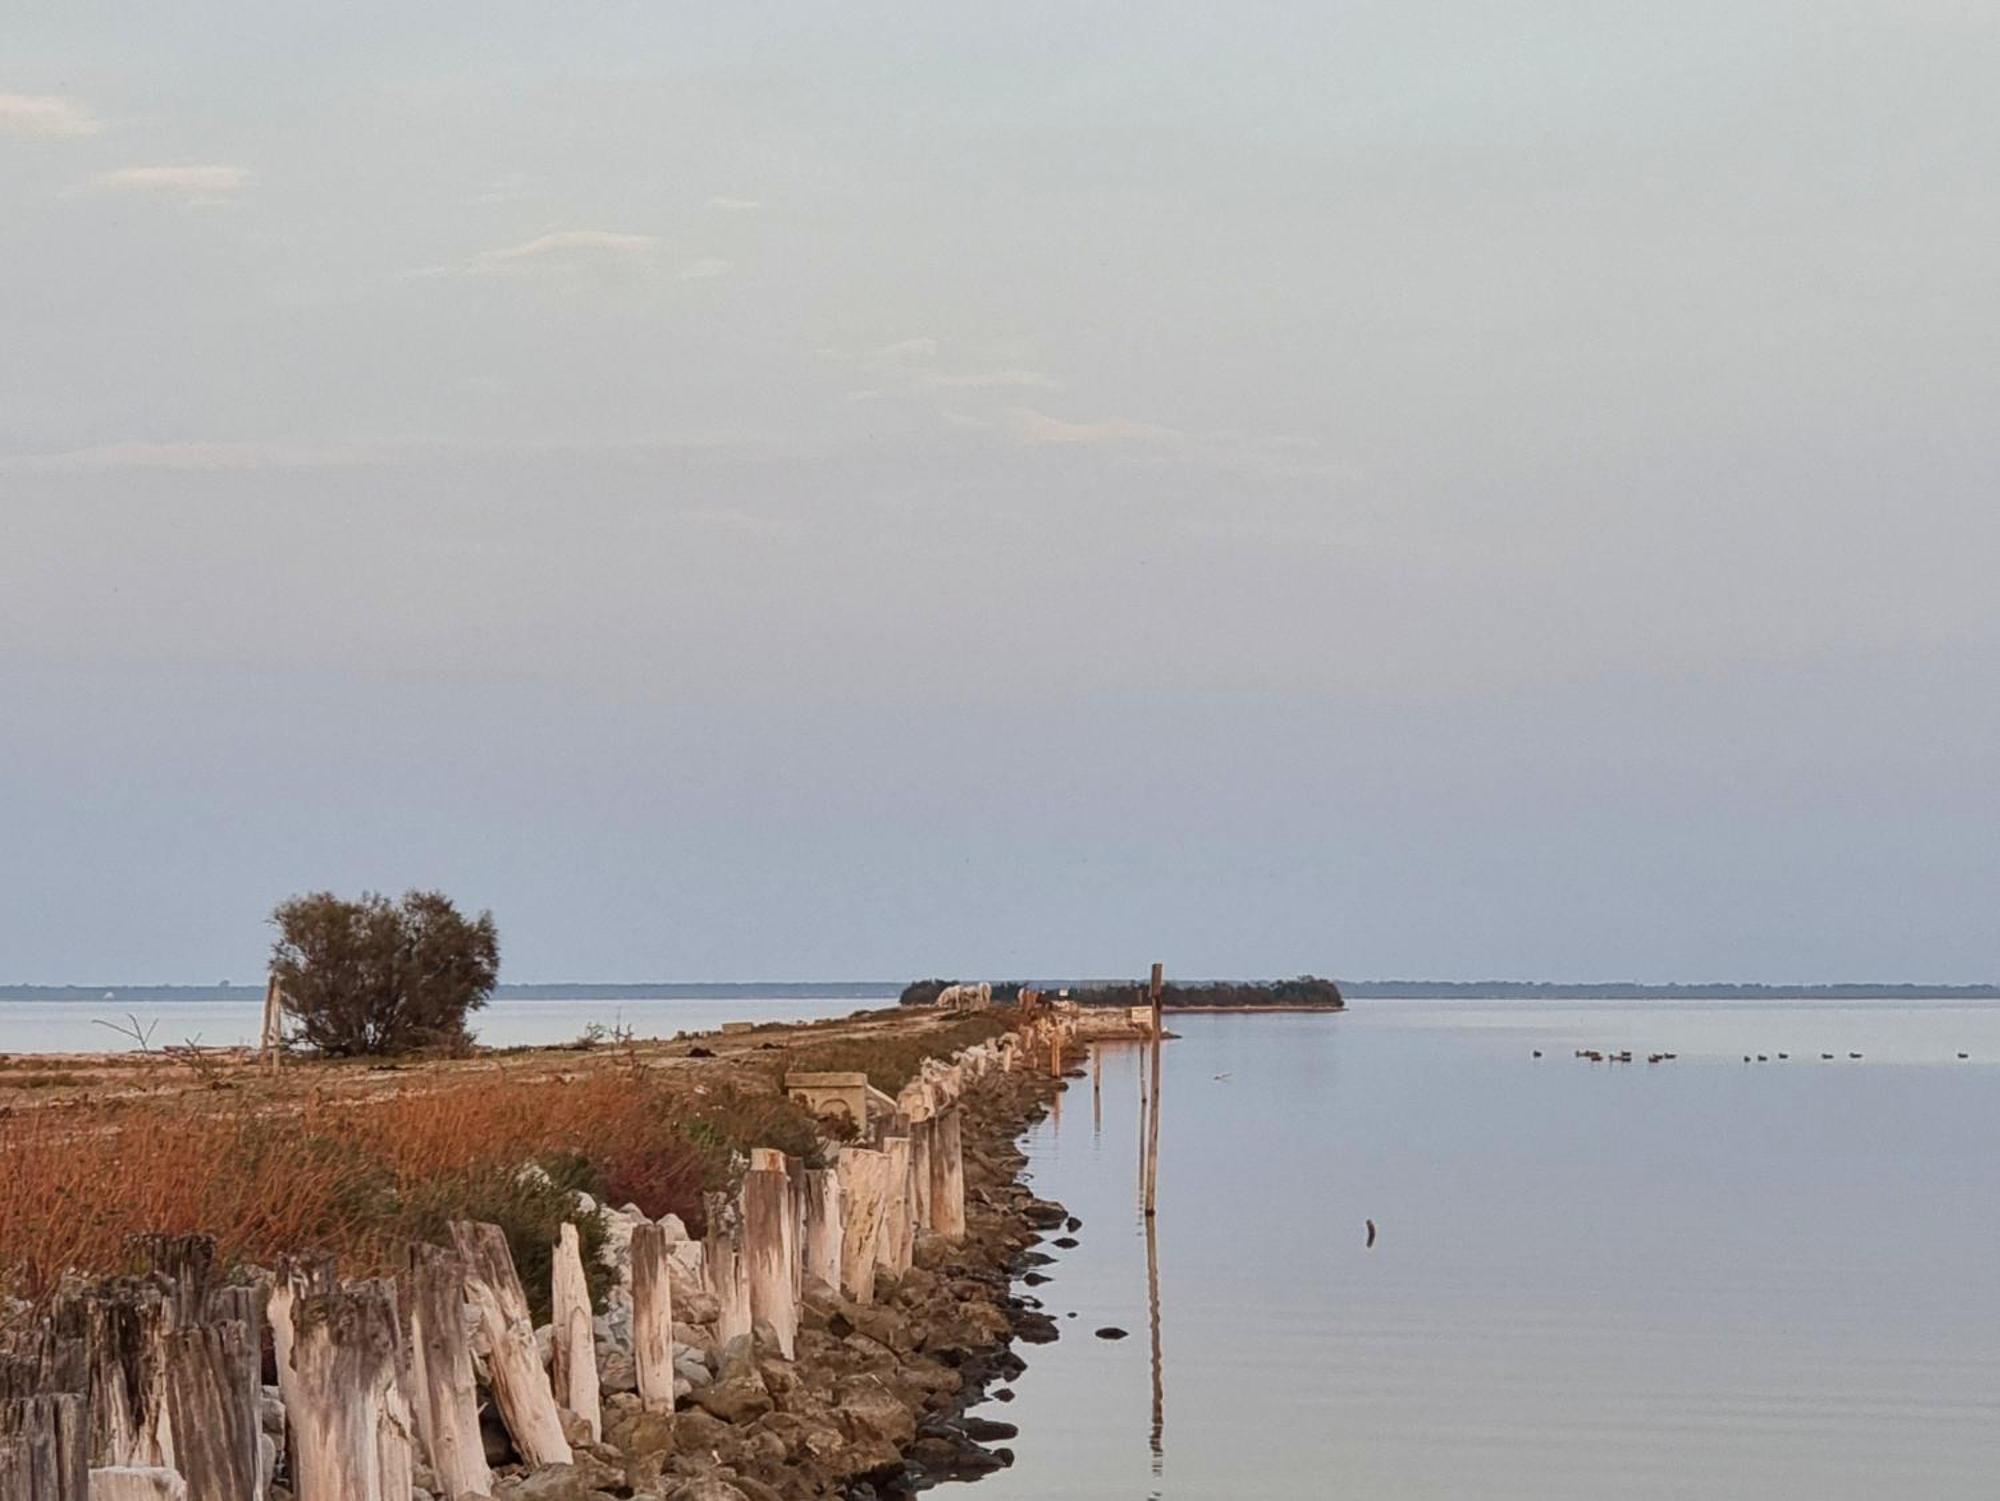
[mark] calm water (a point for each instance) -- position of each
(74, 1026)
(1698, 1280)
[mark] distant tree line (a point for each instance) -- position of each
(926, 992)
(1306, 990)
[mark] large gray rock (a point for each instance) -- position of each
(740, 1396)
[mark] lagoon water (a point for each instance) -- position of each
(1699, 1279)
(79, 1026)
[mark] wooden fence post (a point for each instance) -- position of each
(896, 1246)
(128, 1483)
(822, 1227)
(574, 1368)
(767, 1243)
(213, 1408)
(520, 1385)
(45, 1447)
(722, 1263)
(351, 1442)
(445, 1395)
(864, 1182)
(653, 1317)
(947, 1170)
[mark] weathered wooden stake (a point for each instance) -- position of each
(722, 1262)
(127, 1483)
(352, 1443)
(923, 1133)
(767, 1243)
(520, 1385)
(895, 1247)
(947, 1170)
(574, 1368)
(822, 1226)
(126, 1326)
(1153, 1133)
(213, 1401)
(445, 1395)
(271, 1038)
(653, 1317)
(864, 1185)
(45, 1447)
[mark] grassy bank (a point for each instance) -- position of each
(361, 1161)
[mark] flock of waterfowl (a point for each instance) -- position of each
(1600, 1055)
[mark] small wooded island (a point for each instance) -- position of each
(1306, 993)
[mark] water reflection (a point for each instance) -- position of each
(1700, 1280)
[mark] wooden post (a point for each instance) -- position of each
(126, 1327)
(445, 1395)
(766, 1242)
(574, 1368)
(126, 1483)
(351, 1444)
(923, 1133)
(895, 1248)
(213, 1408)
(1153, 1130)
(653, 1317)
(722, 1263)
(822, 1226)
(45, 1447)
(271, 1039)
(1156, 989)
(864, 1184)
(947, 1170)
(520, 1385)
(1097, 1086)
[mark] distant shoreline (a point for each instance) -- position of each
(888, 990)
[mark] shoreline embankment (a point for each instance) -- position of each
(818, 1328)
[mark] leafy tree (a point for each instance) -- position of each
(376, 976)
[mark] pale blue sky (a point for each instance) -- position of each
(783, 491)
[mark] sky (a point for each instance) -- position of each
(1453, 489)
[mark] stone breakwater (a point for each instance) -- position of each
(824, 1338)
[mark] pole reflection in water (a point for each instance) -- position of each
(1153, 1261)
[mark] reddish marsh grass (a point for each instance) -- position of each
(361, 1178)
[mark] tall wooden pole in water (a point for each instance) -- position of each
(1153, 1119)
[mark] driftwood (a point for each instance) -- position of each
(769, 1248)
(443, 1393)
(520, 1386)
(352, 1440)
(574, 1368)
(652, 1317)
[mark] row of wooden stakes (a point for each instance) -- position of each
(148, 1387)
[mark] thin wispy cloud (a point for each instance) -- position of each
(210, 183)
(190, 457)
(566, 252)
(988, 380)
(509, 187)
(1131, 439)
(1036, 428)
(705, 269)
(45, 117)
